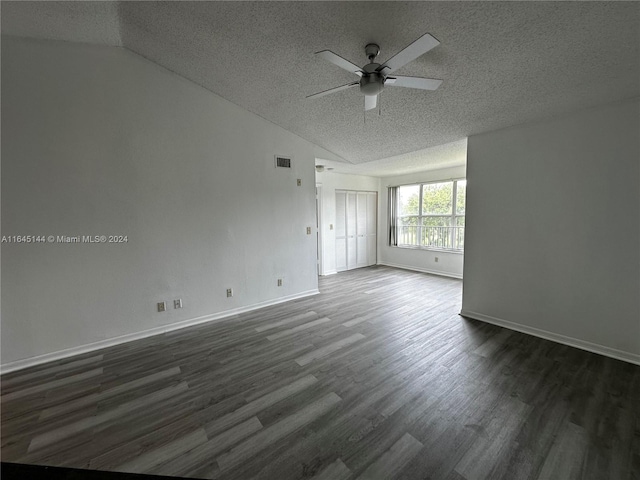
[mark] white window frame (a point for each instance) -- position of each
(420, 217)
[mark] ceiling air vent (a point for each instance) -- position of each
(283, 162)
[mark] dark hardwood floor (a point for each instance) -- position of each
(378, 377)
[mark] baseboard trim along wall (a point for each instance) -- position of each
(110, 342)
(555, 337)
(330, 272)
(422, 270)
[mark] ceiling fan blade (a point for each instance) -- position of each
(333, 90)
(340, 62)
(370, 102)
(413, 51)
(412, 82)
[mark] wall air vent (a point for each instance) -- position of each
(283, 162)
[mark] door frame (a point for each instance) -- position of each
(319, 243)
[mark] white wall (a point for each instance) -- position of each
(449, 264)
(99, 141)
(553, 229)
(330, 182)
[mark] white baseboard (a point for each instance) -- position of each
(216, 317)
(556, 337)
(422, 270)
(330, 272)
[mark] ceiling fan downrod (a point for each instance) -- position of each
(372, 50)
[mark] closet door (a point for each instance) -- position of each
(351, 225)
(356, 233)
(341, 231)
(372, 228)
(362, 259)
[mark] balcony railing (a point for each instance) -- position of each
(449, 238)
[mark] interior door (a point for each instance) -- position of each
(361, 230)
(372, 228)
(319, 247)
(341, 231)
(351, 227)
(356, 229)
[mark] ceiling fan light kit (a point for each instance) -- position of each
(374, 76)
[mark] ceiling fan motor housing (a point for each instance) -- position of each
(372, 82)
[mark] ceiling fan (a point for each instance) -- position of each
(374, 76)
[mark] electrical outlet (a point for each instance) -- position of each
(299, 182)
(177, 303)
(279, 282)
(331, 226)
(308, 230)
(162, 306)
(437, 259)
(229, 292)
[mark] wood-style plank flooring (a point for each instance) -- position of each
(378, 377)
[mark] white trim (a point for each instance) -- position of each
(330, 272)
(427, 249)
(215, 317)
(441, 273)
(444, 180)
(319, 225)
(342, 190)
(556, 337)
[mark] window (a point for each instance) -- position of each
(431, 215)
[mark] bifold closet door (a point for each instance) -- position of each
(341, 231)
(372, 228)
(352, 226)
(356, 221)
(362, 259)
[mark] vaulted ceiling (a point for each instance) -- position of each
(503, 63)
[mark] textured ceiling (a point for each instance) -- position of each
(434, 158)
(90, 22)
(503, 63)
